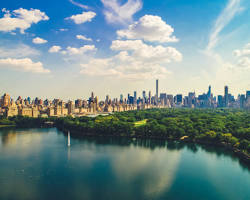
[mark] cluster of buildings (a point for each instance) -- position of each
(92, 106)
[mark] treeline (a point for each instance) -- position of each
(228, 127)
(23, 122)
(214, 126)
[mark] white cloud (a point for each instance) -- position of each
(39, 40)
(116, 13)
(21, 19)
(63, 29)
(55, 49)
(18, 51)
(82, 37)
(147, 53)
(226, 16)
(135, 61)
(243, 56)
(79, 5)
(25, 64)
(73, 50)
(82, 18)
(149, 28)
(79, 51)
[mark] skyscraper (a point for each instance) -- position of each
(247, 94)
(135, 96)
(209, 92)
(157, 88)
(144, 94)
(226, 96)
(149, 97)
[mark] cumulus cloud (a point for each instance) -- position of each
(82, 37)
(25, 64)
(39, 40)
(73, 50)
(79, 51)
(21, 19)
(55, 49)
(149, 28)
(122, 14)
(82, 18)
(17, 51)
(147, 53)
(135, 61)
(243, 56)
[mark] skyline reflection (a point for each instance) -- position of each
(38, 164)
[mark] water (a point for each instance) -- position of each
(38, 164)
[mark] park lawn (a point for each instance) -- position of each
(140, 123)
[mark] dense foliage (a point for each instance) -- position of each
(215, 126)
(23, 122)
(229, 127)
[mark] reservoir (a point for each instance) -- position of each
(39, 164)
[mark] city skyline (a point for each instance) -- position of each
(94, 105)
(112, 47)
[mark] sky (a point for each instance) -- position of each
(68, 48)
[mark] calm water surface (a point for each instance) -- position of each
(37, 164)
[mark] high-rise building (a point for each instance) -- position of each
(149, 97)
(135, 97)
(71, 107)
(220, 101)
(157, 88)
(179, 98)
(6, 100)
(144, 95)
(247, 94)
(121, 98)
(163, 98)
(226, 99)
(209, 93)
(242, 100)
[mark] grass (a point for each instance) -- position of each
(140, 123)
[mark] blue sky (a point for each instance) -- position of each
(66, 49)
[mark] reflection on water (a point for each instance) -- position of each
(38, 164)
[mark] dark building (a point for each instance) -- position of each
(163, 98)
(135, 96)
(220, 101)
(179, 98)
(157, 88)
(242, 100)
(226, 100)
(209, 93)
(247, 94)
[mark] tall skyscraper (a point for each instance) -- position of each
(149, 97)
(157, 88)
(135, 96)
(226, 96)
(121, 98)
(144, 94)
(209, 92)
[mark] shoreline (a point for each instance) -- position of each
(238, 153)
(242, 156)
